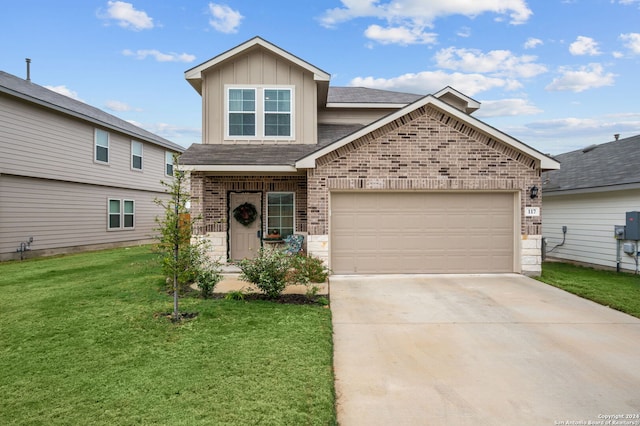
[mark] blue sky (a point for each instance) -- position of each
(556, 74)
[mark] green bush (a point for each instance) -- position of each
(268, 271)
(308, 269)
(207, 273)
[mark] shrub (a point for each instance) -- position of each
(308, 269)
(207, 272)
(268, 271)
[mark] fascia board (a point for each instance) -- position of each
(196, 72)
(237, 168)
(559, 193)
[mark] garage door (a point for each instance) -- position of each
(413, 232)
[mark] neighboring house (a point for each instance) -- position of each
(590, 195)
(73, 177)
(376, 181)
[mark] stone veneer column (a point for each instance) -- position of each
(531, 258)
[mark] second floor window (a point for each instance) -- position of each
(101, 146)
(168, 170)
(136, 155)
(260, 112)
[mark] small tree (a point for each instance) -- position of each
(175, 233)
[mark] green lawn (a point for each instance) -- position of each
(80, 345)
(619, 291)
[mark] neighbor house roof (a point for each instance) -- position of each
(31, 92)
(612, 165)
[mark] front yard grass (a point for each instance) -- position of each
(619, 291)
(80, 344)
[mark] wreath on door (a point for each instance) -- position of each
(245, 213)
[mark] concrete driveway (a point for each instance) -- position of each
(479, 350)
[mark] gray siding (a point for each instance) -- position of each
(352, 116)
(40, 143)
(51, 188)
(590, 220)
(63, 214)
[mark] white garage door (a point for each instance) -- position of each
(417, 232)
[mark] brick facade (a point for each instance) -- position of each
(424, 150)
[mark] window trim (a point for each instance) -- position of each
(133, 155)
(260, 112)
(293, 227)
(95, 146)
(121, 214)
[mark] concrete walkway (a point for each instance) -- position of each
(479, 350)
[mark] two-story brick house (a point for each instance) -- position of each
(73, 177)
(376, 181)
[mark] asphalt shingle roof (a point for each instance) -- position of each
(369, 96)
(264, 154)
(32, 92)
(607, 164)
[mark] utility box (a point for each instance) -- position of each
(632, 229)
(619, 232)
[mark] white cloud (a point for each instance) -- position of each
(407, 19)
(127, 16)
(507, 107)
(120, 106)
(64, 90)
(629, 2)
(159, 56)
(584, 46)
(399, 35)
(224, 19)
(422, 13)
(496, 62)
(532, 43)
(432, 81)
(631, 41)
(464, 32)
(586, 77)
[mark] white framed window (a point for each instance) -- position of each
(281, 209)
(101, 146)
(136, 155)
(262, 112)
(121, 214)
(168, 161)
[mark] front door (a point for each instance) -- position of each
(245, 224)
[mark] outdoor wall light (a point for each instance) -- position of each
(533, 192)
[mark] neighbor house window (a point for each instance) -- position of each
(259, 112)
(101, 146)
(121, 214)
(136, 155)
(168, 159)
(115, 212)
(280, 213)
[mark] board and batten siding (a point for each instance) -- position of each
(62, 215)
(38, 142)
(259, 67)
(590, 220)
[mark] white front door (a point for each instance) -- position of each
(244, 239)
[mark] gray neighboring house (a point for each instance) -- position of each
(590, 195)
(375, 181)
(73, 177)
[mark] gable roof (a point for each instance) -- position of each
(546, 163)
(31, 92)
(194, 75)
(612, 165)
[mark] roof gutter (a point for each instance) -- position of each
(230, 168)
